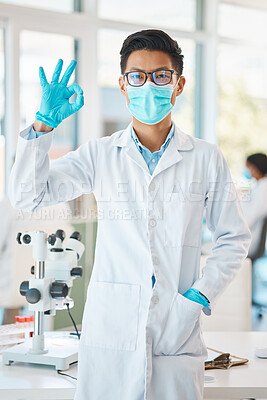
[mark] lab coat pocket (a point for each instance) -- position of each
(112, 315)
(180, 323)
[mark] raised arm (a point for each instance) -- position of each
(34, 180)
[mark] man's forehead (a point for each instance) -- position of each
(141, 69)
(145, 60)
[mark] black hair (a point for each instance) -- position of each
(260, 161)
(152, 39)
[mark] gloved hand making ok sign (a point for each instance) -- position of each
(55, 105)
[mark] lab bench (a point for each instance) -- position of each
(38, 382)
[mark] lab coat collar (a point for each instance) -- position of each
(182, 141)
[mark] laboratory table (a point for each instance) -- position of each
(36, 382)
(239, 382)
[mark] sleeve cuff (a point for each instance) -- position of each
(29, 133)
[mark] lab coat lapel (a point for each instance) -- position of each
(173, 154)
(170, 156)
(125, 140)
(136, 156)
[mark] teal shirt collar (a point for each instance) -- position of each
(152, 159)
(140, 146)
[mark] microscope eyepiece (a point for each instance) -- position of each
(76, 235)
(60, 234)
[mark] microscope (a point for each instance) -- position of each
(55, 268)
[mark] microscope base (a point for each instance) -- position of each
(62, 351)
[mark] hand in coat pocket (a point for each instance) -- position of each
(181, 321)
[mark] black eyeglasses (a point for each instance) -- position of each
(160, 77)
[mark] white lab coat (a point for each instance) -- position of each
(255, 210)
(137, 342)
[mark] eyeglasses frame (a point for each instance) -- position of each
(172, 71)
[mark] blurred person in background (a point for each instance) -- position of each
(255, 209)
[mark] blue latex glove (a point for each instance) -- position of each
(55, 105)
(194, 295)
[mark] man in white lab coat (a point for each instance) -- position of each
(141, 336)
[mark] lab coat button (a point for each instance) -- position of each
(148, 340)
(155, 299)
(152, 186)
(152, 222)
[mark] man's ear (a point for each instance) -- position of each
(122, 86)
(180, 85)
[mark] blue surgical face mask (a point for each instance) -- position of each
(150, 103)
(247, 173)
